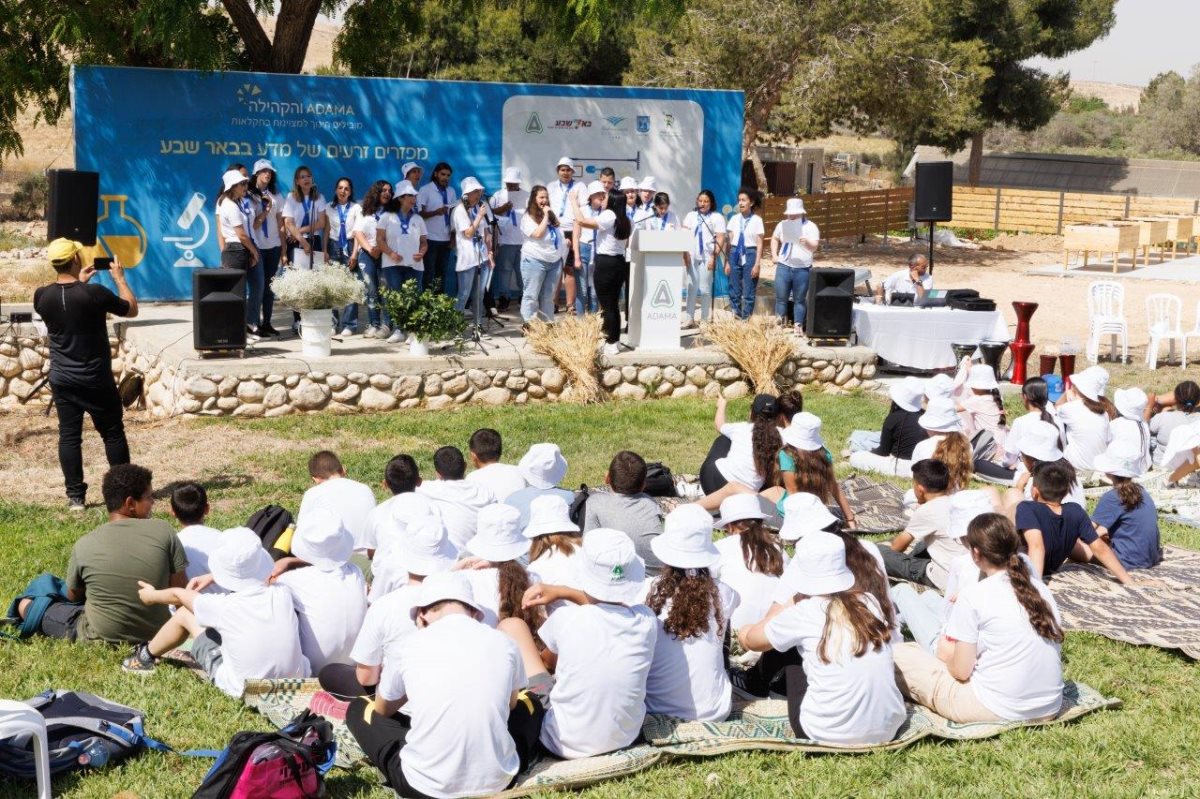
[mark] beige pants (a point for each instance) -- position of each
(925, 680)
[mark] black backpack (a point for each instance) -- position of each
(659, 481)
(269, 524)
(289, 762)
(579, 505)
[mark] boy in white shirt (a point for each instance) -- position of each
(435, 201)
(502, 479)
(509, 206)
(189, 504)
(400, 476)
(928, 562)
(469, 727)
(351, 500)
(457, 500)
(250, 633)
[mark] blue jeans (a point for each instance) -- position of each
(507, 280)
(254, 294)
(393, 277)
(438, 268)
(742, 287)
(585, 281)
(924, 614)
(541, 283)
(269, 261)
(368, 273)
(791, 282)
(466, 280)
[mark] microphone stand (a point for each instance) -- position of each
(478, 286)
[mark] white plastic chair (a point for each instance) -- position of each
(18, 718)
(1195, 331)
(1106, 317)
(1164, 313)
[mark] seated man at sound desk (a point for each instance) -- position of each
(915, 280)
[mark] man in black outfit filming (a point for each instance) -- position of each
(76, 315)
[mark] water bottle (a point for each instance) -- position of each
(95, 756)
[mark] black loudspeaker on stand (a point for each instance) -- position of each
(218, 309)
(933, 199)
(72, 205)
(830, 303)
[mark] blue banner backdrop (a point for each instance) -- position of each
(161, 139)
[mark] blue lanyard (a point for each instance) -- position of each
(553, 229)
(739, 251)
(562, 208)
(266, 216)
(341, 209)
(445, 203)
(405, 221)
(244, 206)
(662, 224)
(702, 220)
(629, 211)
(307, 207)
(474, 213)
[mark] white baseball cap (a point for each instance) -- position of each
(425, 549)
(240, 563)
(804, 432)
(1040, 441)
(405, 188)
(543, 466)
(596, 187)
(647, 184)
(964, 507)
(982, 377)
(627, 184)
(445, 587)
(804, 514)
(608, 568)
(686, 540)
(409, 166)
(940, 385)
(940, 416)
(908, 393)
(498, 535)
(469, 184)
(1091, 382)
(1123, 458)
(1131, 402)
(262, 164)
(795, 207)
(549, 515)
(739, 507)
(322, 541)
(819, 566)
(232, 178)
(512, 175)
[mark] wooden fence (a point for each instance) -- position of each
(852, 213)
(1025, 211)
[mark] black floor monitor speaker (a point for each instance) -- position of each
(934, 196)
(218, 309)
(71, 206)
(830, 303)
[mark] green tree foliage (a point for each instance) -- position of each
(1169, 115)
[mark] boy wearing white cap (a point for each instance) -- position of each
(250, 633)
(793, 243)
(509, 206)
(473, 241)
(468, 726)
(583, 242)
(543, 468)
(435, 202)
(891, 452)
(928, 528)
(604, 645)
(456, 499)
(1084, 414)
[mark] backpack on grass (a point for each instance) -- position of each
(287, 764)
(274, 526)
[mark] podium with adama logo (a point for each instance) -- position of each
(656, 277)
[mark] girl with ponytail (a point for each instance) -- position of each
(743, 458)
(1085, 415)
(1126, 516)
(1166, 412)
(752, 557)
(1000, 658)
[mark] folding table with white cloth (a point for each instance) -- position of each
(920, 338)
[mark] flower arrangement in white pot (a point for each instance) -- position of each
(315, 293)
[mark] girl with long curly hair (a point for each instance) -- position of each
(752, 557)
(687, 677)
(805, 465)
(1001, 656)
(743, 457)
(498, 579)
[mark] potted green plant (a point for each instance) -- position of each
(424, 315)
(315, 293)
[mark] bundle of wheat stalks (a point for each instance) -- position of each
(760, 345)
(573, 343)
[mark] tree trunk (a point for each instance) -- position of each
(293, 31)
(258, 46)
(975, 164)
(750, 152)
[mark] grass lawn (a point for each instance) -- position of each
(1146, 749)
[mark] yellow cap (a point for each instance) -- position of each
(62, 250)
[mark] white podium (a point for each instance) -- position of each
(655, 288)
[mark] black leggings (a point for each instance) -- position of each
(612, 273)
(711, 479)
(341, 680)
(797, 687)
(103, 404)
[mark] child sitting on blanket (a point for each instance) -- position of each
(890, 450)
(1131, 425)
(805, 465)
(1000, 658)
(554, 541)
(498, 579)
(1085, 415)
(687, 678)
(1165, 412)
(1054, 531)
(743, 457)
(469, 726)
(927, 531)
(603, 645)
(845, 690)
(250, 633)
(752, 558)
(1126, 516)
(1039, 443)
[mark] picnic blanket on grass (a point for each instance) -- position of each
(879, 507)
(760, 725)
(1167, 617)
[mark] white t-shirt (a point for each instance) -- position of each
(755, 589)
(271, 238)
(549, 247)
(260, 636)
(738, 465)
(330, 606)
(606, 241)
(749, 230)
(385, 624)
(403, 237)
(930, 523)
(368, 226)
(687, 679)
(502, 479)
(560, 202)
(850, 700)
(334, 222)
(510, 223)
(924, 449)
(1137, 433)
(598, 702)
(901, 283)
(670, 221)
(294, 208)
(471, 250)
(554, 568)
(430, 197)
(458, 503)
(351, 500)
(703, 227)
(1087, 434)
(791, 252)
(1018, 674)
(199, 542)
(587, 235)
(230, 217)
(458, 676)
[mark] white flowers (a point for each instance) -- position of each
(328, 286)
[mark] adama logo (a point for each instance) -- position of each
(662, 296)
(534, 125)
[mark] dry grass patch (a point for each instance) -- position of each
(760, 346)
(573, 343)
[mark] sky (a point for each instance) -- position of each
(1151, 36)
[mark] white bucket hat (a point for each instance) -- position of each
(1091, 382)
(232, 178)
(819, 567)
(409, 166)
(686, 540)
(982, 377)
(322, 541)
(940, 385)
(940, 416)
(627, 184)
(549, 515)
(964, 507)
(804, 514)
(1039, 440)
(738, 508)
(596, 187)
(512, 175)
(795, 207)
(543, 466)
(261, 164)
(469, 184)
(498, 535)
(609, 568)
(804, 432)
(405, 187)
(240, 563)
(565, 161)
(1123, 458)
(445, 587)
(425, 549)
(1131, 402)
(908, 393)
(1181, 445)
(648, 184)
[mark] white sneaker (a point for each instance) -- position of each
(383, 331)
(371, 332)
(397, 337)
(688, 324)
(612, 349)
(346, 332)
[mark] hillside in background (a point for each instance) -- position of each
(1117, 96)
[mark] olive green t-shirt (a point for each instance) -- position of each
(106, 565)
